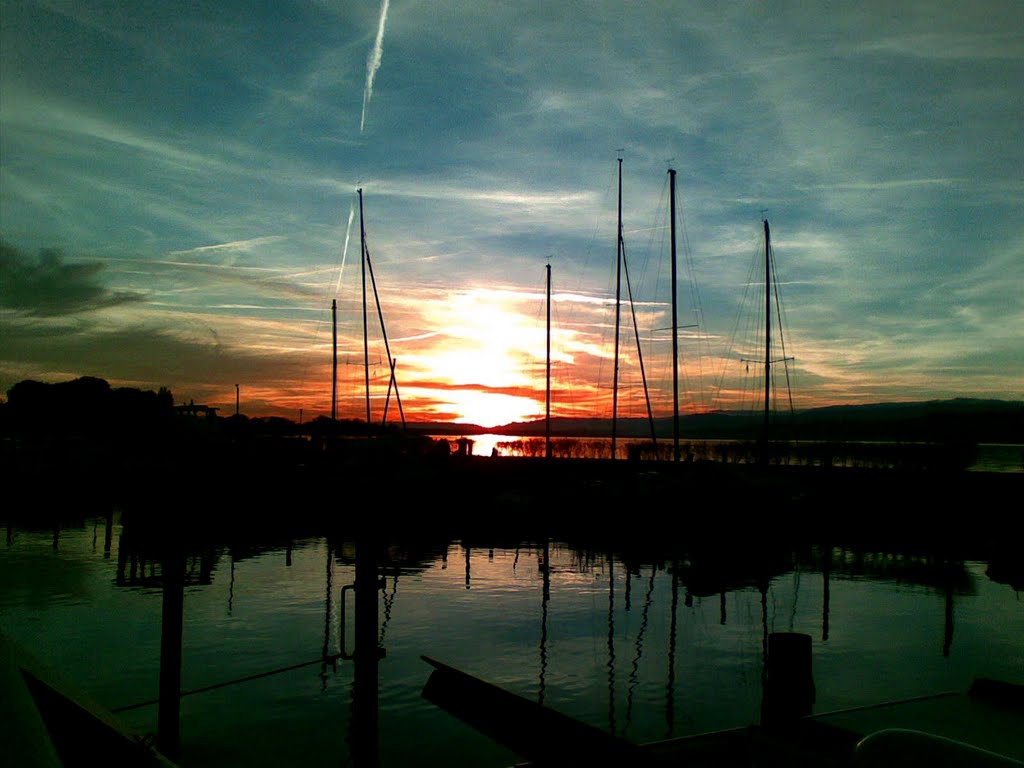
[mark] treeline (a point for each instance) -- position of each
(89, 407)
(86, 426)
(81, 440)
(86, 406)
(84, 441)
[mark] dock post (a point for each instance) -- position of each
(169, 709)
(364, 734)
(788, 680)
(108, 533)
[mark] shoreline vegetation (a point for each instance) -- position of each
(83, 438)
(182, 480)
(90, 401)
(919, 456)
(41, 421)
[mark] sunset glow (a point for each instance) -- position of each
(189, 226)
(491, 410)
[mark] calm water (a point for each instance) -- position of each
(647, 649)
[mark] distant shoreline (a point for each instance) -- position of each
(996, 422)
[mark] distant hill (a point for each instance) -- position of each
(960, 420)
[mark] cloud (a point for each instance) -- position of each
(274, 282)
(47, 287)
(214, 178)
(193, 361)
(949, 45)
(373, 61)
(238, 245)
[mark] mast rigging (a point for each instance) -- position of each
(367, 264)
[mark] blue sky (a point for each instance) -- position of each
(176, 182)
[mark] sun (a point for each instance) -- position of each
(492, 409)
(483, 368)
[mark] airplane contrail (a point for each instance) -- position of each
(373, 60)
(344, 250)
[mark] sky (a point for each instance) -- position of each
(179, 208)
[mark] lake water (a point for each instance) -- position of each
(645, 648)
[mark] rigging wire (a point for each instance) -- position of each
(542, 316)
(780, 313)
(743, 315)
(307, 363)
(387, 346)
(695, 301)
(606, 327)
(655, 245)
(566, 390)
(235, 681)
(639, 351)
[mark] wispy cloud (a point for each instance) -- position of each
(373, 61)
(193, 364)
(953, 45)
(209, 181)
(27, 110)
(273, 281)
(244, 246)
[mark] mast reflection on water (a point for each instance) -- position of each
(882, 622)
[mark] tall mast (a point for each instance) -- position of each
(334, 362)
(547, 403)
(366, 338)
(767, 332)
(618, 306)
(675, 319)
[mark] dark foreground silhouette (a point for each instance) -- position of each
(85, 443)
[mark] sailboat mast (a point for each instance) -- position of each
(334, 362)
(675, 319)
(366, 337)
(618, 308)
(547, 389)
(767, 329)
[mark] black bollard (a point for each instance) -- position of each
(788, 680)
(169, 708)
(364, 735)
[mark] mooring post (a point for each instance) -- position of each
(788, 679)
(108, 533)
(365, 739)
(169, 709)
